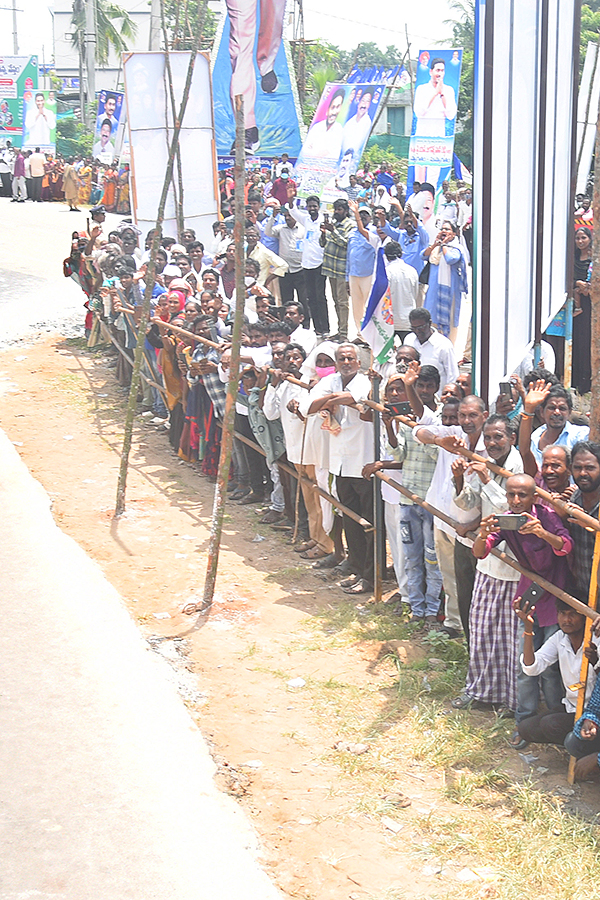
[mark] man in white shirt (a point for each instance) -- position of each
(312, 258)
(351, 447)
(290, 235)
(404, 287)
(565, 647)
(434, 349)
(37, 161)
(270, 264)
(457, 563)
(294, 316)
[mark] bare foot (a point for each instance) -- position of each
(587, 769)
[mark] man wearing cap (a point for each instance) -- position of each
(363, 244)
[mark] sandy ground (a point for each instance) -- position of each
(326, 831)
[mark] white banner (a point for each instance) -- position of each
(509, 96)
(150, 124)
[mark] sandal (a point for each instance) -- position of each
(359, 587)
(349, 581)
(463, 701)
(304, 546)
(517, 742)
(314, 553)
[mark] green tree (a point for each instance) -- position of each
(114, 28)
(590, 28)
(183, 18)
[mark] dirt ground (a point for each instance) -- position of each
(283, 669)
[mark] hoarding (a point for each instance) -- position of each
(150, 124)
(434, 116)
(108, 117)
(18, 74)
(250, 57)
(39, 121)
(336, 139)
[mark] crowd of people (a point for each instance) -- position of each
(79, 181)
(304, 449)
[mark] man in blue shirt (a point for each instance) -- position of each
(360, 261)
(413, 239)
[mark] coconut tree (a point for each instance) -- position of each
(114, 28)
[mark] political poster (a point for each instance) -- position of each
(150, 126)
(18, 74)
(39, 121)
(108, 117)
(336, 139)
(431, 150)
(251, 57)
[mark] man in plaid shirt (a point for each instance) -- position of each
(204, 365)
(334, 238)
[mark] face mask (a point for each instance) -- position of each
(249, 280)
(285, 176)
(322, 371)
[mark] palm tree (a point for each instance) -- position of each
(114, 28)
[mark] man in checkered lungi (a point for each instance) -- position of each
(493, 658)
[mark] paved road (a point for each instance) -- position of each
(34, 294)
(106, 785)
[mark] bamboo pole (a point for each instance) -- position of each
(592, 603)
(178, 194)
(595, 301)
(139, 349)
(188, 334)
(234, 367)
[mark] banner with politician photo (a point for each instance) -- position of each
(250, 57)
(336, 139)
(434, 116)
(17, 75)
(108, 117)
(39, 121)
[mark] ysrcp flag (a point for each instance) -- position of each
(377, 327)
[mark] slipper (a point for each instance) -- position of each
(359, 587)
(328, 562)
(314, 553)
(517, 742)
(349, 581)
(463, 701)
(304, 546)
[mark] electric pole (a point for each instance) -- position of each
(90, 56)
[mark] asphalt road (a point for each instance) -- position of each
(106, 785)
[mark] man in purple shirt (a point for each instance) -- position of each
(18, 185)
(541, 545)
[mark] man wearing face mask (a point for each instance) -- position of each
(283, 187)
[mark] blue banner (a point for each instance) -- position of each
(250, 58)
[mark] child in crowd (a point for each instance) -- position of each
(565, 647)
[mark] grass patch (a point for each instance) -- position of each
(538, 850)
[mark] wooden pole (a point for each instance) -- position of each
(139, 349)
(378, 534)
(595, 300)
(592, 603)
(178, 194)
(234, 366)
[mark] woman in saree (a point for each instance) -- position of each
(57, 180)
(123, 206)
(47, 180)
(85, 177)
(169, 362)
(71, 184)
(109, 198)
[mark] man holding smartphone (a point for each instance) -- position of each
(542, 546)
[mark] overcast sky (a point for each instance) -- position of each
(424, 19)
